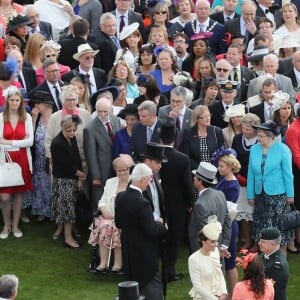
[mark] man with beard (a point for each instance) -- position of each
(181, 44)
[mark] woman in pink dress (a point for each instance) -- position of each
(254, 284)
(16, 136)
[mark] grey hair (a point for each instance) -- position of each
(68, 90)
(148, 105)
(189, 97)
(8, 285)
(140, 171)
(224, 61)
(245, 2)
(106, 16)
(271, 56)
(251, 119)
(49, 62)
(179, 91)
(27, 8)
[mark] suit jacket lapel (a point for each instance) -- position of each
(103, 131)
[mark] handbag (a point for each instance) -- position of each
(289, 220)
(10, 172)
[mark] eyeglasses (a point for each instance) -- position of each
(70, 100)
(89, 57)
(122, 170)
(50, 55)
(161, 12)
(265, 27)
(179, 42)
(70, 130)
(222, 70)
(203, 117)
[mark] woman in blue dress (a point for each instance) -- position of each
(228, 165)
(122, 141)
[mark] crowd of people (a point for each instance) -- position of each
(176, 119)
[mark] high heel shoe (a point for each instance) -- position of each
(71, 246)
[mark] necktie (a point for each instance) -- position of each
(109, 131)
(235, 74)
(33, 30)
(178, 123)
(122, 23)
(149, 134)
(20, 80)
(88, 82)
(116, 42)
(266, 11)
(228, 19)
(201, 28)
(270, 113)
(226, 107)
(58, 104)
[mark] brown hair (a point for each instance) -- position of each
(32, 50)
(112, 72)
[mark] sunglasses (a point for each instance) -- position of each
(222, 70)
(161, 12)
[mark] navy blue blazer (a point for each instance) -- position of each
(216, 41)
(46, 30)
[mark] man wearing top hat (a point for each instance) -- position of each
(210, 202)
(176, 182)
(275, 263)
(228, 93)
(94, 77)
(140, 234)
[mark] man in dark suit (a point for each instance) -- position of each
(140, 234)
(107, 41)
(210, 202)
(126, 16)
(265, 9)
(204, 24)
(98, 139)
(228, 93)
(239, 73)
(264, 110)
(178, 192)
(178, 111)
(294, 73)
(246, 23)
(146, 130)
(42, 27)
(228, 12)
(69, 46)
(52, 84)
(26, 76)
(95, 78)
(275, 263)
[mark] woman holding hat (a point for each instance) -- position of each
(233, 116)
(270, 187)
(242, 144)
(122, 142)
(204, 265)
(41, 195)
(131, 42)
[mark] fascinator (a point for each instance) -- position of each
(269, 126)
(220, 152)
(8, 68)
(213, 228)
(52, 44)
(184, 79)
(201, 36)
(246, 258)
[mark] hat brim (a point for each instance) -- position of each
(35, 101)
(262, 127)
(129, 112)
(162, 159)
(256, 57)
(76, 56)
(114, 90)
(15, 26)
(128, 30)
(195, 173)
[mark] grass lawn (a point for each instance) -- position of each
(47, 270)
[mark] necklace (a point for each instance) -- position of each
(250, 143)
(209, 29)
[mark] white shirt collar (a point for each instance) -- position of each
(135, 188)
(153, 126)
(205, 23)
(230, 16)
(118, 14)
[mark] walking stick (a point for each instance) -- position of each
(110, 246)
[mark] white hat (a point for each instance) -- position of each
(234, 111)
(84, 48)
(254, 100)
(291, 40)
(206, 172)
(128, 30)
(261, 79)
(213, 228)
(279, 99)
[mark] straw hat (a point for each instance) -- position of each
(82, 49)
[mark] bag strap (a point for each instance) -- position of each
(8, 158)
(2, 155)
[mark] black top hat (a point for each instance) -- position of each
(41, 97)
(114, 90)
(129, 290)
(229, 86)
(270, 234)
(155, 151)
(168, 132)
(17, 22)
(258, 53)
(129, 109)
(269, 126)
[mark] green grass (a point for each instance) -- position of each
(47, 270)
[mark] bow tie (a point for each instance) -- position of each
(267, 11)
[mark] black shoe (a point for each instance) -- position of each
(117, 271)
(176, 277)
(101, 271)
(71, 247)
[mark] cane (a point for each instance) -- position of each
(110, 246)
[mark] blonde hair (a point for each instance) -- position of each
(158, 28)
(69, 90)
(198, 110)
(32, 50)
(231, 161)
(84, 99)
(123, 160)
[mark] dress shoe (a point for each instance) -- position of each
(293, 251)
(4, 235)
(117, 271)
(70, 246)
(101, 270)
(175, 277)
(17, 234)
